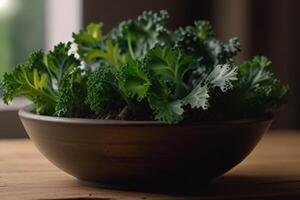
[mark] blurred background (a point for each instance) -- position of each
(265, 27)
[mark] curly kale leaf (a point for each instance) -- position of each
(60, 62)
(170, 92)
(72, 92)
(134, 80)
(259, 86)
(138, 36)
(255, 72)
(163, 104)
(111, 55)
(198, 97)
(256, 92)
(39, 78)
(267, 97)
(221, 77)
(31, 80)
(167, 111)
(103, 94)
(199, 41)
(88, 39)
(94, 49)
(172, 67)
(142, 71)
(167, 70)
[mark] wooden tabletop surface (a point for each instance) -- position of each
(272, 171)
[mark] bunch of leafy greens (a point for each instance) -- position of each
(143, 71)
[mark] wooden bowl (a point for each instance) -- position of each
(142, 152)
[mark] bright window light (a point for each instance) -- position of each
(4, 4)
(8, 7)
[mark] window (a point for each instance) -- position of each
(22, 30)
(25, 26)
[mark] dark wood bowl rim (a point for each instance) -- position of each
(27, 113)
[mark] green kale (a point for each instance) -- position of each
(110, 55)
(72, 92)
(88, 39)
(171, 93)
(200, 42)
(103, 94)
(51, 81)
(171, 66)
(255, 93)
(134, 80)
(60, 62)
(139, 36)
(142, 71)
(33, 81)
(261, 91)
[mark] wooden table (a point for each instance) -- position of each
(272, 171)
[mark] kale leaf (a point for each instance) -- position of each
(72, 92)
(88, 39)
(256, 92)
(103, 95)
(51, 81)
(33, 81)
(141, 70)
(140, 35)
(200, 42)
(261, 91)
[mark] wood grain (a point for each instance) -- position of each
(272, 171)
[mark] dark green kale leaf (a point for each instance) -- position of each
(45, 79)
(255, 73)
(60, 62)
(142, 71)
(134, 80)
(88, 39)
(167, 111)
(72, 92)
(262, 92)
(170, 94)
(31, 80)
(97, 51)
(103, 94)
(266, 98)
(167, 68)
(256, 92)
(70, 81)
(110, 55)
(199, 41)
(172, 67)
(138, 36)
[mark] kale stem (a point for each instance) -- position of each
(130, 49)
(123, 113)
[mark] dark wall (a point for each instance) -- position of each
(275, 31)
(111, 12)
